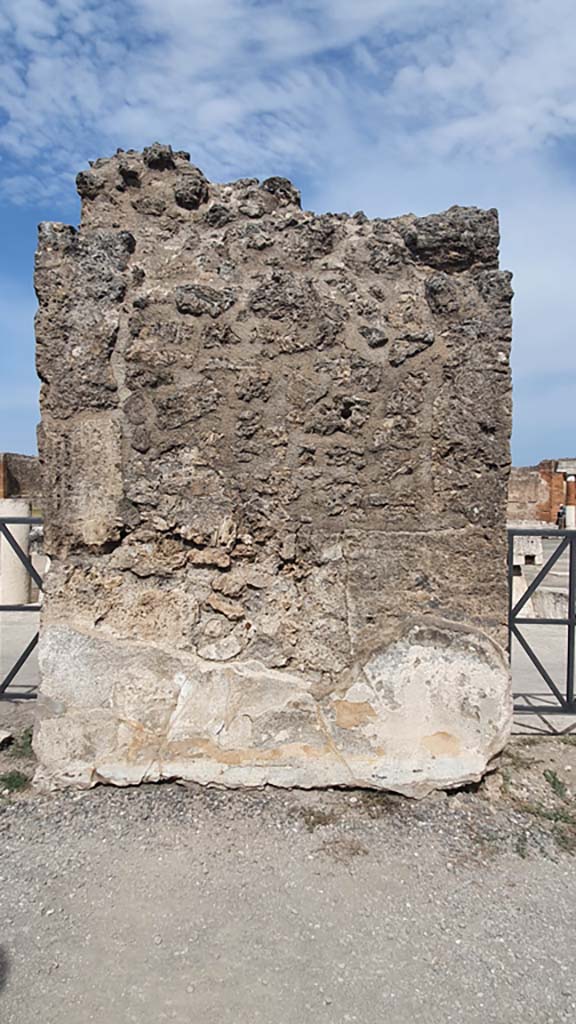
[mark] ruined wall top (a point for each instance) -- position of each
(165, 187)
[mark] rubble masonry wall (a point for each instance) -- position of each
(275, 451)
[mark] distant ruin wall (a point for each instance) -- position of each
(276, 453)
(20, 477)
(535, 493)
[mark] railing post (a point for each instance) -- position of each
(15, 523)
(14, 577)
(571, 622)
(510, 589)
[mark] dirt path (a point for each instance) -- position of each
(171, 903)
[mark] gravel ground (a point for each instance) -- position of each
(202, 906)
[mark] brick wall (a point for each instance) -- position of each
(535, 493)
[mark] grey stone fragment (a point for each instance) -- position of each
(150, 206)
(191, 189)
(198, 301)
(283, 189)
(159, 157)
(375, 336)
(408, 346)
(218, 215)
(88, 185)
(130, 176)
(442, 294)
(456, 240)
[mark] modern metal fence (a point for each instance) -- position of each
(5, 523)
(562, 689)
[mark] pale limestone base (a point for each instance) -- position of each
(428, 712)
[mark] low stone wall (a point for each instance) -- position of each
(276, 454)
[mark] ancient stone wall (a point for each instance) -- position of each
(276, 452)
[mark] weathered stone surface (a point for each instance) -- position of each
(275, 452)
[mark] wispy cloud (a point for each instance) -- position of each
(248, 81)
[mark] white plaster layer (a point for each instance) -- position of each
(429, 711)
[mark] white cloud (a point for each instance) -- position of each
(433, 75)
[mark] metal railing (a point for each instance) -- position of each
(566, 543)
(5, 523)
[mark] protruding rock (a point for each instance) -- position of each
(231, 609)
(159, 157)
(284, 190)
(375, 336)
(196, 300)
(410, 345)
(217, 215)
(88, 185)
(212, 557)
(191, 189)
(456, 240)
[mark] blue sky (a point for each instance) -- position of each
(388, 106)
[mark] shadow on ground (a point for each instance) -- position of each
(4, 967)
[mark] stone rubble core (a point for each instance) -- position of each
(275, 451)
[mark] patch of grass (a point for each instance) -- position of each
(22, 746)
(557, 814)
(562, 829)
(555, 783)
(565, 839)
(14, 781)
(522, 845)
(515, 759)
(506, 778)
(570, 741)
